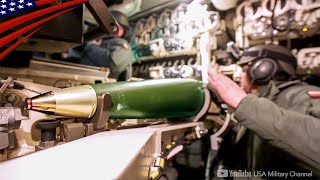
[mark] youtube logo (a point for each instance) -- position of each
(222, 173)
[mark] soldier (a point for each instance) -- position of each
(283, 112)
(114, 53)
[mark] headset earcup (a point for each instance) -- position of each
(261, 71)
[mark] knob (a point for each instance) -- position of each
(48, 129)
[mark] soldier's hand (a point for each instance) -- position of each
(97, 42)
(228, 91)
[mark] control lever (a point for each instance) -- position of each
(11, 84)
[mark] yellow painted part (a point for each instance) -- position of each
(161, 162)
(168, 146)
(154, 174)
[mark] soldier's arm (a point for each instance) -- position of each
(98, 55)
(293, 132)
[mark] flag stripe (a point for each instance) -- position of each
(43, 2)
(22, 19)
(6, 52)
(5, 40)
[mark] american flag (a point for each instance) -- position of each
(19, 14)
(10, 7)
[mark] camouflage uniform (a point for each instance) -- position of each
(114, 53)
(288, 120)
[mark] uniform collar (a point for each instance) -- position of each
(274, 87)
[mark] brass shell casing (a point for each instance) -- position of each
(79, 101)
(44, 103)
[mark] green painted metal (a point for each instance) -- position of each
(165, 98)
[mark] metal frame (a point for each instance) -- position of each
(121, 154)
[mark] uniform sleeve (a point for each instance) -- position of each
(97, 55)
(296, 133)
